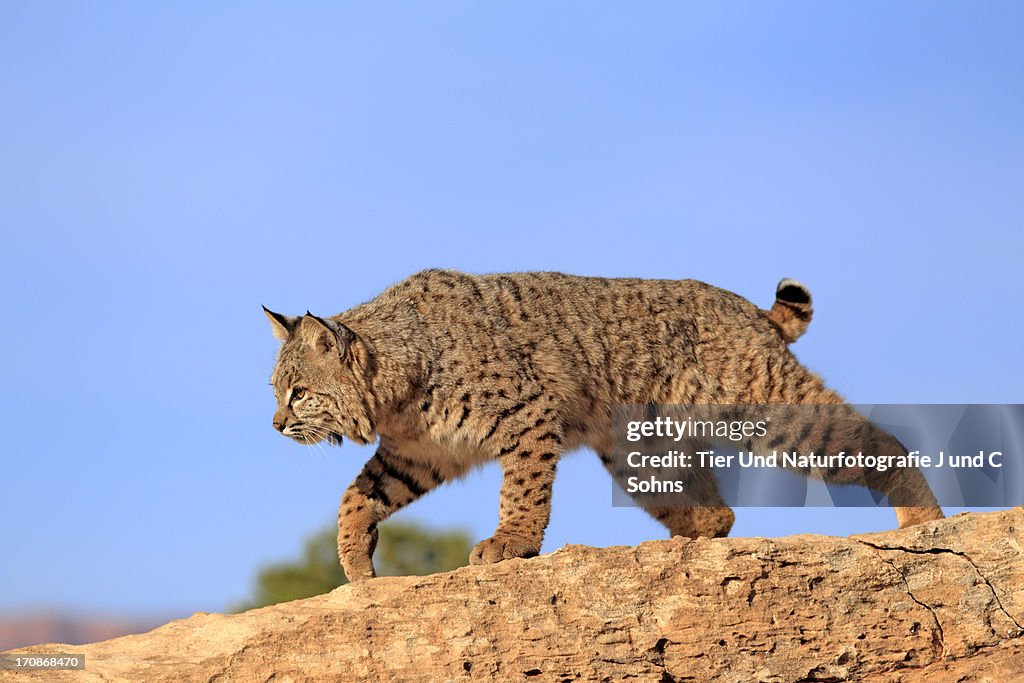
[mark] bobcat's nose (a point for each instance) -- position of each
(280, 420)
(279, 425)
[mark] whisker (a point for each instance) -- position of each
(321, 433)
(315, 434)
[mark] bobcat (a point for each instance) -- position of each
(452, 370)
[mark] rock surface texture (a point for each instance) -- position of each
(943, 601)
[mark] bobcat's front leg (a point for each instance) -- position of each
(387, 483)
(525, 505)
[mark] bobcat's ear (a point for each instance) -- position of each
(326, 336)
(281, 326)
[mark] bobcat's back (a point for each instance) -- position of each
(491, 345)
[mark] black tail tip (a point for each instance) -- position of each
(793, 292)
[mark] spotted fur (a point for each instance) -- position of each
(452, 370)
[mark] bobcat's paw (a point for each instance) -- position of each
(357, 557)
(503, 547)
(909, 516)
(358, 567)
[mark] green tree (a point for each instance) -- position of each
(403, 548)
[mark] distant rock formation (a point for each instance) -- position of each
(46, 627)
(943, 601)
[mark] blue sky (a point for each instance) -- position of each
(167, 168)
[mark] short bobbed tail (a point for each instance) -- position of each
(792, 311)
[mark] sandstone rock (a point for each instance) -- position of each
(943, 601)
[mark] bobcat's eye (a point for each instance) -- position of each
(297, 393)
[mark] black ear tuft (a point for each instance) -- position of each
(282, 326)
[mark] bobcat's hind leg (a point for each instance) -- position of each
(830, 426)
(712, 519)
(694, 522)
(909, 494)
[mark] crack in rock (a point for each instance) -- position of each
(940, 654)
(950, 551)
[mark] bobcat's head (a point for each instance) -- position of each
(321, 381)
